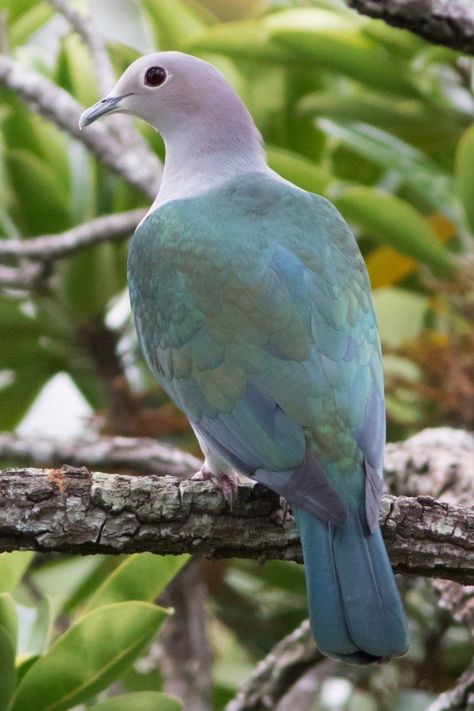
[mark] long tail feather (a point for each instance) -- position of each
(354, 606)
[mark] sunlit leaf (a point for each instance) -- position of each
(298, 170)
(12, 568)
(335, 41)
(88, 657)
(386, 266)
(392, 221)
(142, 576)
(140, 701)
(176, 22)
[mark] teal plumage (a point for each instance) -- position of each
(253, 309)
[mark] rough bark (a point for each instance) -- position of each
(76, 511)
(445, 22)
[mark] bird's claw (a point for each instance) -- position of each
(227, 484)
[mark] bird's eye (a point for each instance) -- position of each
(154, 76)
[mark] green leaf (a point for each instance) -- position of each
(336, 42)
(88, 657)
(174, 22)
(142, 576)
(140, 701)
(465, 175)
(12, 568)
(38, 188)
(298, 170)
(8, 636)
(17, 396)
(412, 166)
(76, 72)
(32, 16)
(90, 279)
(249, 39)
(392, 221)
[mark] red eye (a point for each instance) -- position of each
(154, 76)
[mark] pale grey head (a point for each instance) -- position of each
(208, 132)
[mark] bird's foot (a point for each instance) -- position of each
(281, 515)
(227, 484)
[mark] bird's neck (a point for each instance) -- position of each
(209, 153)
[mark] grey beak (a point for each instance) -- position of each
(103, 107)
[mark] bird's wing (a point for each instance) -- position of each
(253, 308)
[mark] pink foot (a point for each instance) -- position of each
(281, 515)
(227, 484)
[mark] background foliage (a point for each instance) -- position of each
(375, 119)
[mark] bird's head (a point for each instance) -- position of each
(166, 89)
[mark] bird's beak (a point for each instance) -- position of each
(109, 105)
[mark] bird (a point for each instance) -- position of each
(254, 312)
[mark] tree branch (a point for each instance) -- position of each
(85, 28)
(140, 168)
(76, 511)
(446, 22)
(278, 671)
(56, 246)
(120, 125)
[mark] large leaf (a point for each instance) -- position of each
(12, 568)
(411, 165)
(142, 576)
(17, 396)
(88, 657)
(394, 222)
(90, 279)
(298, 170)
(140, 701)
(41, 202)
(175, 22)
(465, 175)
(249, 39)
(8, 635)
(336, 42)
(387, 267)
(76, 72)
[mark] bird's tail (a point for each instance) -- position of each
(355, 609)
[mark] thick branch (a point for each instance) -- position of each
(49, 247)
(73, 510)
(446, 22)
(138, 167)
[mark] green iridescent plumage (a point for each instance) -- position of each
(253, 309)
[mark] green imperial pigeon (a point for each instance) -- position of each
(253, 309)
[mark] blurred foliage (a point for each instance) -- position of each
(375, 119)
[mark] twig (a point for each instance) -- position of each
(50, 247)
(460, 698)
(121, 126)
(447, 22)
(85, 28)
(281, 668)
(25, 277)
(139, 168)
(140, 455)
